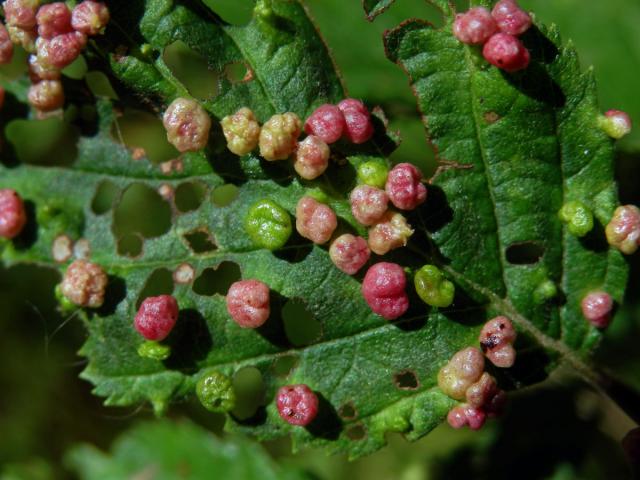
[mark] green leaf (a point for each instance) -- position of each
(167, 450)
(515, 150)
(373, 8)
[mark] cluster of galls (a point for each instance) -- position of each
(498, 32)
(54, 36)
(464, 378)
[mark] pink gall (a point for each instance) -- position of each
(248, 303)
(404, 186)
(463, 370)
(326, 122)
(358, 125)
(314, 220)
(597, 307)
(368, 204)
(475, 26)
(38, 71)
(187, 125)
(297, 404)
(384, 290)
(84, 284)
(349, 253)
(46, 95)
(615, 123)
(506, 52)
(21, 13)
(13, 216)
(156, 317)
(510, 18)
(623, 230)
(89, 17)
(61, 50)
(6, 46)
(53, 19)
(466, 415)
(311, 157)
(390, 232)
(496, 340)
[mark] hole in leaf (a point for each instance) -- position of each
(236, 12)
(298, 248)
(282, 366)
(160, 282)
(17, 67)
(356, 432)
(217, 281)
(348, 411)
(138, 129)
(406, 380)
(56, 143)
(104, 198)
(191, 69)
(141, 210)
(200, 241)
(238, 72)
(189, 196)
(190, 341)
(249, 387)
(224, 195)
(77, 69)
(130, 245)
(525, 253)
(100, 85)
(300, 326)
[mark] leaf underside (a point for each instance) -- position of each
(516, 148)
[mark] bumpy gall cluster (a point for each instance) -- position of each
(6, 46)
(248, 303)
(13, 216)
(241, 130)
(314, 220)
(349, 253)
(368, 204)
(53, 19)
(187, 125)
(311, 158)
(384, 290)
(404, 186)
(373, 173)
(46, 95)
(496, 339)
(84, 284)
(156, 317)
(392, 231)
(597, 307)
(463, 370)
(433, 288)
(615, 123)
(268, 224)
(279, 136)
(498, 32)
(326, 122)
(475, 26)
(90, 17)
(578, 218)
(358, 125)
(215, 392)
(623, 231)
(61, 50)
(297, 404)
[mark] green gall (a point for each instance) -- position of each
(615, 123)
(433, 288)
(215, 392)
(578, 218)
(545, 291)
(373, 173)
(66, 305)
(268, 224)
(154, 350)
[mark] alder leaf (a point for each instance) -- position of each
(516, 146)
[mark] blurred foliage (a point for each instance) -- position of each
(564, 433)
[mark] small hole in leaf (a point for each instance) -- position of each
(138, 129)
(249, 388)
(525, 253)
(130, 245)
(100, 85)
(406, 380)
(189, 196)
(348, 411)
(282, 366)
(200, 241)
(300, 326)
(217, 281)
(191, 69)
(142, 210)
(356, 432)
(56, 141)
(160, 282)
(238, 72)
(224, 195)
(104, 198)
